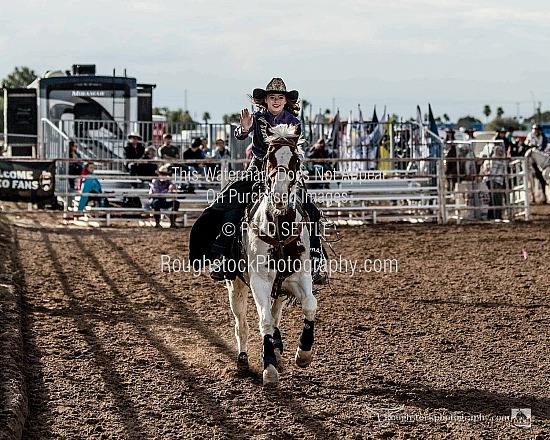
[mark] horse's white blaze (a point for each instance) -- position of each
(282, 179)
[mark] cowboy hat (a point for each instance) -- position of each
(133, 134)
(164, 169)
(275, 86)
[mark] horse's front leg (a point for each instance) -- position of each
(261, 291)
(277, 312)
(238, 293)
(303, 289)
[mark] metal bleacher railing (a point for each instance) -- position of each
(402, 187)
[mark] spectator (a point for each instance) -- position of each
(148, 169)
(195, 169)
(319, 168)
(134, 150)
(221, 153)
(90, 184)
(167, 151)
(206, 152)
(500, 135)
(469, 134)
(537, 139)
(85, 172)
(449, 135)
(494, 170)
(514, 147)
(451, 166)
(163, 185)
(75, 168)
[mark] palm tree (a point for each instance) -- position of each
(206, 117)
(487, 111)
(305, 104)
(500, 112)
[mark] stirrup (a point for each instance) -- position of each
(319, 276)
(217, 271)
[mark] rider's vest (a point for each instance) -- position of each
(259, 126)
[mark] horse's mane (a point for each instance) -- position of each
(285, 133)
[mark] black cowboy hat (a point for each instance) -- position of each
(276, 85)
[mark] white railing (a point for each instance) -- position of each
(379, 195)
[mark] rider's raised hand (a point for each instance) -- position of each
(246, 119)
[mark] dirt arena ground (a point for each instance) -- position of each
(114, 348)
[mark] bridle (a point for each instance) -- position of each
(292, 169)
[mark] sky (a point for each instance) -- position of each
(456, 55)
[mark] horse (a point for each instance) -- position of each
(275, 245)
(541, 168)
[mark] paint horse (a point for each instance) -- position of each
(275, 245)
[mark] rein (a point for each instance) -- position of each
(276, 241)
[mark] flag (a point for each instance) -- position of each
(384, 149)
(435, 141)
(335, 136)
(318, 129)
(420, 148)
(362, 139)
(375, 137)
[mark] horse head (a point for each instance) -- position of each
(282, 165)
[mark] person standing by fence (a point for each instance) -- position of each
(537, 139)
(494, 170)
(75, 168)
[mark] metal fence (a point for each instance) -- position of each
(383, 194)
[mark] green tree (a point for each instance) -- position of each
(505, 122)
(206, 117)
(544, 117)
(487, 111)
(233, 118)
(20, 77)
(446, 117)
(500, 112)
(467, 122)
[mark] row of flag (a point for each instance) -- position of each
(368, 140)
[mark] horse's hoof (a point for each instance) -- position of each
(271, 377)
(242, 361)
(303, 358)
(279, 357)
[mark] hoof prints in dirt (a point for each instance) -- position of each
(117, 348)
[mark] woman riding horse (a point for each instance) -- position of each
(275, 106)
